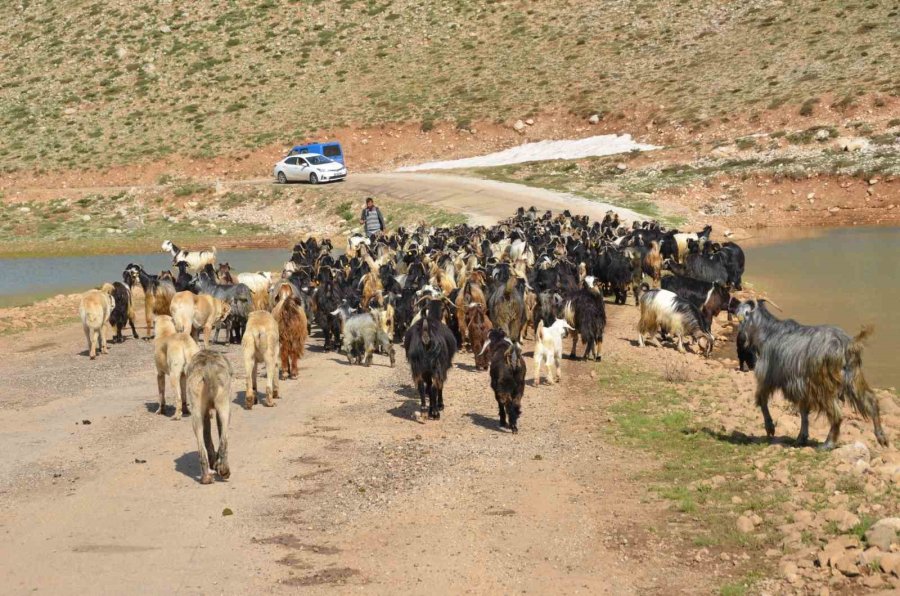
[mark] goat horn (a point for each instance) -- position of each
(772, 303)
(486, 344)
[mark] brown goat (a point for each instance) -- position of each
(291, 319)
(478, 325)
(652, 263)
(472, 293)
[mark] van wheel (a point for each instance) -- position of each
(313, 179)
(282, 179)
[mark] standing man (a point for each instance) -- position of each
(371, 218)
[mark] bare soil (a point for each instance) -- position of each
(337, 485)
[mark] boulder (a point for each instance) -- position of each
(884, 533)
(744, 524)
(846, 563)
(890, 563)
(852, 452)
(842, 518)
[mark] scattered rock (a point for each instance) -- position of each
(25, 209)
(890, 563)
(594, 119)
(140, 461)
(85, 421)
(883, 533)
(842, 518)
(846, 564)
(165, 29)
(836, 548)
(621, 167)
(519, 126)
(854, 451)
(530, 121)
(852, 144)
(227, 511)
(223, 231)
(744, 524)
(822, 134)
(85, 217)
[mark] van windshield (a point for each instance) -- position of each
(318, 160)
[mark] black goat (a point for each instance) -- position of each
(430, 347)
(699, 267)
(585, 312)
(710, 298)
(816, 368)
(122, 313)
(507, 377)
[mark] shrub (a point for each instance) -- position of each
(807, 108)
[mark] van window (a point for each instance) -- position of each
(331, 150)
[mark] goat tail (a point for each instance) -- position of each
(855, 388)
(539, 332)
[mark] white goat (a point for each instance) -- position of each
(195, 259)
(548, 349)
(257, 282)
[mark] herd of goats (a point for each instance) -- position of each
(440, 290)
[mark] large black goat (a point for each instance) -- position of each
(816, 368)
(585, 312)
(122, 313)
(430, 347)
(701, 267)
(710, 298)
(507, 377)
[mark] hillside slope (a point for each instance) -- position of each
(95, 83)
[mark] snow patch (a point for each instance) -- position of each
(542, 151)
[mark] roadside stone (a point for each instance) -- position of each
(883, 534)
(594, 119)
(843, 518)
(846, 564)
(744, 524)
(165, 29)
(519, 126)
(835, 548)
(822, 134)
(789, 570)
(870, 555)
(890, 563)
(530, 121)
(852, 452)
(803, 517)
(621, 167)
(85, 217)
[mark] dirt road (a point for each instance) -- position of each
(336, 485)
(483, 201)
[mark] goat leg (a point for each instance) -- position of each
(833, 436)
(502, 411)
(762, 400)
(161, 383)
(197, 423)
(573, 356)
(803, 437)
(208, 442)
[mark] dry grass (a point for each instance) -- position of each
(94, 84)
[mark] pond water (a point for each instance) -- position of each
(23, 281)
(847, 277)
